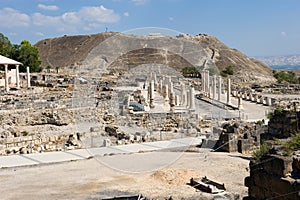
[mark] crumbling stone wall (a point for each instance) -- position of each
(240, 137)
(274, 177)
(283, 123)
(22, 143)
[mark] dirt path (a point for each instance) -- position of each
(93, 178)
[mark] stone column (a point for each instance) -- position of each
(228, 91)
(269, 101)
(171, 88)
(152, 94)
(203, 81)
(176, 100)
(28, 78)
(214, 87)
(155, 82)
(183, 95)
(207, 83)
(219, 88)
(6, 78)
(167, 93)
(17, 77)
(161, 87)
(192, 98)
(188, 99)
(172, 99)
(240, 103)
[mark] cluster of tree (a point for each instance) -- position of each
(24, 53)
(286, 77)
(191, 72)
(228, 71)
(195, 71)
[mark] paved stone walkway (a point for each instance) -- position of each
(78, 154)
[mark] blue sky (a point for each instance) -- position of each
(255, 27)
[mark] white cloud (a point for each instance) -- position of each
(48, 7)
(98, 15)
(13, 18)
(283, 34)
(139, 2)
(39, 34)
(171, 18)
(86, 18)
(126, 14)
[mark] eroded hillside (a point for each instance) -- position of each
(107, 51)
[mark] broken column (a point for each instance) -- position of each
(207, 79)
(240, 103)
(228, 91)
(219, 88)
(28, 78)
(17, 77)
(176, 100)
(166, 93)
(6, 78)
(203, 84)
(152, 94)
(188, 99)
(192, 99)
(183, 95)
(161, 87)
(214, 88)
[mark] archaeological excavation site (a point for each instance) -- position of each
(125, 116)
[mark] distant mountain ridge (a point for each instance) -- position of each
(284, 61)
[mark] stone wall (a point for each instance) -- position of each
(24, 144)
(274, 177)
(283, 124)
(240, 137)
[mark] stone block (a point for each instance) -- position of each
(278, 165)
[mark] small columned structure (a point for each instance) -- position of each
(7, 75)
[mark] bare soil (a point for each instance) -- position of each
(94, 179)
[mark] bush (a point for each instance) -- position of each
(293, 143)
(263, 151)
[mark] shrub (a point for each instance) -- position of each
(260, 153)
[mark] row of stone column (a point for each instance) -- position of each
(254, 98)
(213, 85)
(165, 87)
(17, 77)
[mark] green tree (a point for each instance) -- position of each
(282, 76)
(29, 56)
(5, 46)
(229, 70)
(190, 71)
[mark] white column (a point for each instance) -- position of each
(228, 91)
(240, 103)
(202, 81)
(167, 93)
(214, 86)
(192, 98)
(17, 77)
(6, 78)
(152, 94)
(28, 78)
(188, 99)
(207, 83)
(219, 88)
(183, 95)
(177, 100)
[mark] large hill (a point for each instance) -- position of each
(107, 51)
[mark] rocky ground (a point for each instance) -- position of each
(142, 173)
